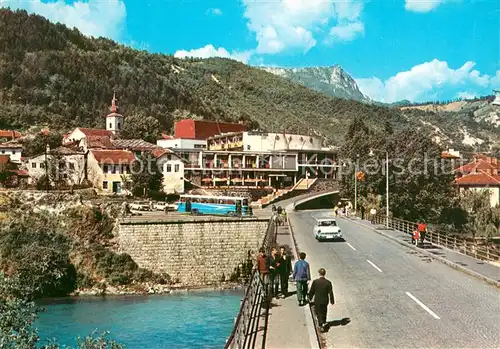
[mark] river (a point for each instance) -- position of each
(198, 319)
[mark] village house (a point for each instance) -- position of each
(172, 168)
(13, 149)
(11, 174)
(483, 173)
(109, 169)
(63, 164)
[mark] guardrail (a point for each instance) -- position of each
(479, 249)
(246, 326)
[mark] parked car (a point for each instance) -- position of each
(140, 206)
(160, 206)
(327, 229)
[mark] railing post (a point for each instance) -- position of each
(454, 242)
(465, 246)
(487, 251)
(439, 238)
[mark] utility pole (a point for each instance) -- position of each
(387, 188)
(356, 184)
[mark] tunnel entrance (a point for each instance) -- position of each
(322, 202)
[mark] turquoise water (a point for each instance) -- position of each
(175, 321)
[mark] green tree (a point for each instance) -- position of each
(38, 144)
(6, 171)
(146, 177)
(141, 126)
(482, 219)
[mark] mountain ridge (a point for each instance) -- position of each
(56, 77)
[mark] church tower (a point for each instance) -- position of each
(114, 120)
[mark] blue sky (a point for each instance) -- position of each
(395, 49)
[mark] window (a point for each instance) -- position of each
(13, 152)
(176, 168)
(117, 168)
(119, 126)
(169, 168)
(3, 151)
(71, 166)
(105, 168)
(42, 165)
(33, 165)
(105, 185)
(110, 125)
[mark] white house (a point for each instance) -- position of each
(173, 170)
(71, 168)
(181, 143)
(13, 149)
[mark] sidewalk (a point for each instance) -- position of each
(475, 267)
(289, 325)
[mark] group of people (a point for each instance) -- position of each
(418, 235)
(280, 214)
(275, 271)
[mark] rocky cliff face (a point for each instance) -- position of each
(333, 81)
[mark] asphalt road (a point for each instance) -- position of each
(395, 297)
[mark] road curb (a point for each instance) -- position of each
(441, 259)
(309, 314)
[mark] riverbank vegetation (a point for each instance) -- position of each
(55, 253)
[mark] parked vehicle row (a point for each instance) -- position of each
(152, 206)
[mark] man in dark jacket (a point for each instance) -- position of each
(284, 269)
(274, 272)
(322, 291)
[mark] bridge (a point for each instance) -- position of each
(388, 293)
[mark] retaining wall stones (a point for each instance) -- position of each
(194, 253)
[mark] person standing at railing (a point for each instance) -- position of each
(422, 228)
(262, 266)
(283, 218)
(415, 237)
(301, 275)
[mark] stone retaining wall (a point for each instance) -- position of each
(194, 253)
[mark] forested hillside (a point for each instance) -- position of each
(54, 76)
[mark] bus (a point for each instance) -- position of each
(214, 205)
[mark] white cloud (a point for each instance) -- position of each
(210, 51)
(347, 31)
(215, 11)
(466, 95)
(93, 18)
(424, 81)
(289, 24)
(422, 5)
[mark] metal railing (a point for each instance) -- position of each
(477, 248)
(246, 326)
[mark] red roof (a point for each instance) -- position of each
(99, 142)
(113, 157)
(22, 173)
(4, 159)
(10, 134)
(480, 164)
(157, 152)
(479, 179)
(96, 132)
(194, 129)
(166, 136)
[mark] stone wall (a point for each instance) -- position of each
(193, 252)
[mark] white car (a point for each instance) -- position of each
(139, 206)
(327, 229)
(160, 206)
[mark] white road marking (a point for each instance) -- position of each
(423, 306)
(313, 339)
(373, 265)
(348, 244)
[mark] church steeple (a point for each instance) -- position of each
(114, 120)
(114, 107)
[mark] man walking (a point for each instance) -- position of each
(422, 228)
(301, 275)
(322, 291)
(284, 269)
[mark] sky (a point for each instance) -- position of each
(418, 50)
